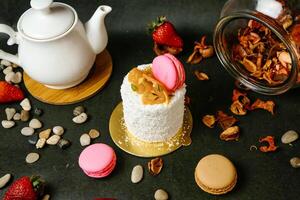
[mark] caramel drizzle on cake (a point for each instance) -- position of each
(151, 90)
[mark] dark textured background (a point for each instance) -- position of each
(260, 176)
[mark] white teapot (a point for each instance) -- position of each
(55, 48)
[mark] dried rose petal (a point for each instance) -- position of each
(155, 166)
(236, 94)
(254, 24)
(194, 58)
(249, 65)
(201, 76)
(162, 49)
(295, 34)
(284, 58)
(237, 108)
(201, 50)
(266, 105)
(209, 120)
(207, 52)
(271, 144)
(240, 103)
(231, 133)
(225, 121)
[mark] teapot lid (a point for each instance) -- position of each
(46, 20)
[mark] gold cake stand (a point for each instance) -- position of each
(132, 145)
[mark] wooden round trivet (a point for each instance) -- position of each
(95, 81)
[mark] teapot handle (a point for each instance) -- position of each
(12, 40)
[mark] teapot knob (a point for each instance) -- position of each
(40, 4)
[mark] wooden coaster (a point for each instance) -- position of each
(95, 81)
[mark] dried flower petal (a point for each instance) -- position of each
(271, 144)
(266, 105)
(249, 65)
(209, 120)
(241, 103)
(201, 76)
(295, 33)
(225, 121)
(155, 166)
(207, 52)
(284, 58)
(236, 94)
(231, 133)
(201, 50)
(162, 49)
(194, 58)
(237, 108)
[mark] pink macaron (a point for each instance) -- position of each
(97, 160)
(168, 70)
(180, 70)
(164, 71)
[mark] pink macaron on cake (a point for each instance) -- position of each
(97, 160)
(153, 99)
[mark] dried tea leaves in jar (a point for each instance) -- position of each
(262, 54)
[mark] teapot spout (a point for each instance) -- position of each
(95, 29)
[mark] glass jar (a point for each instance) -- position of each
(256, 41)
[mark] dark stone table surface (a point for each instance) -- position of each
(260, 176)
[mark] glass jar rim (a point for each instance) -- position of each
(225, 59)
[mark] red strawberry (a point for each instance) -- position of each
(10, 93)
(164, 33)
(25, 188)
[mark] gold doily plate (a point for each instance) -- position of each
(132, 145)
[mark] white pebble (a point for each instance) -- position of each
(45, 133)
(53, 140)
(7, 124)
(80, 118)
(4, 180)
(7, 70)
(160, 194)
(85, 140)
(9, 77)
(137, 174)
(10, 112)
(5, 63)
(35, 123)
(289, 137)
(58, 130)
(27, 131)
(46, 197)
(25, 104)
(40, 143)
(17, 117)
(17, 78)
(32, 158)
(93, 133)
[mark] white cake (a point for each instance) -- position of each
(152, 123)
